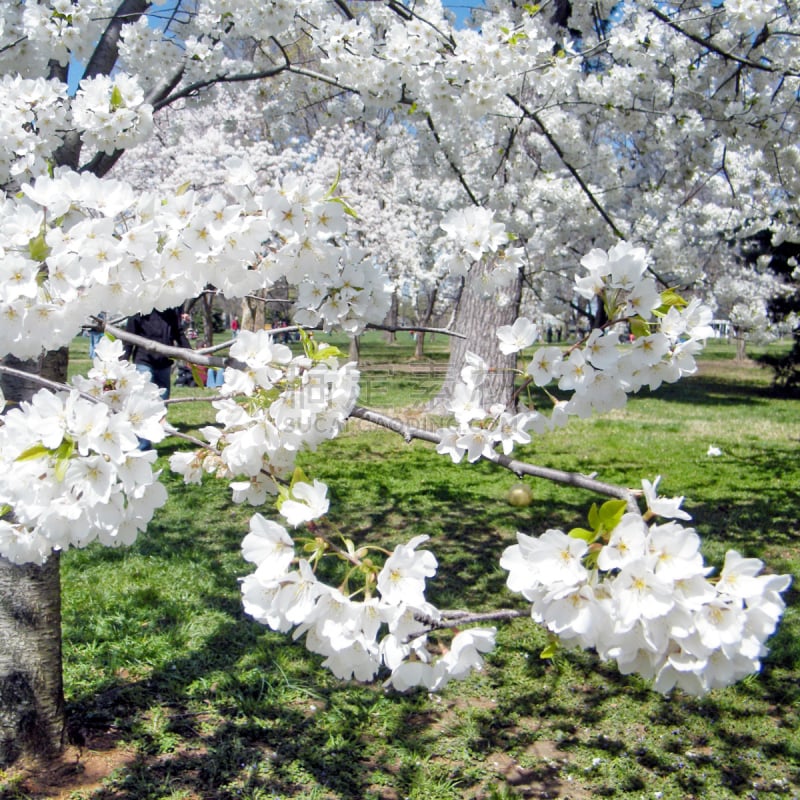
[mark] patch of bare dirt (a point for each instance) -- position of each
(78, 769)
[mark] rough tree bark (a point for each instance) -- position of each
(478, 318)
(32, 719)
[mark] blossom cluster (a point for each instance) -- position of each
(641, 595)
(387, 629)
(71, 471)
(111, 112)
(73, 244)
(664, 334)
(273, 405)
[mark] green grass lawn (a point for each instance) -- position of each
(161, 662)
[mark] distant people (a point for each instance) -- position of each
(95, 336)
(549, 335)
(161, 327)
(235, 327)
(215, 378)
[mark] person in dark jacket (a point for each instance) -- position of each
(163, 327)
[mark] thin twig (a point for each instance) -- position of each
(455, 619)
(45, 383)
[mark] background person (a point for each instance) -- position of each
(163, 327)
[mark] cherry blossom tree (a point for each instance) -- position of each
(494, 110)
(585, 138)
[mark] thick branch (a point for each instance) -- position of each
(106, 53)
(194, 88)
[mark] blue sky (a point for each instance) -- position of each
(461, 8)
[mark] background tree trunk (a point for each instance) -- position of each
(354, 352)
(478, 318)
(208, 318)
(391, 318)
(32, 720)
(425, 321)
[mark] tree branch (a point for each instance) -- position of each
(45, 383)
(520, 468)
(242, 77)
(454, 619)
(190, 356)
(416, 329)
(705, 43)
(574, 172)
(458, 173)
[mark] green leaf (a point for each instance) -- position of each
(594, 517)
(582, 533)
(298, 476)
(38, 249)
(669, 298)
(117, 100)
(318, 351)
(309, 345)
(551, 650)
(639, 327)
(197, 375)
(335, 186)
(326, 351)
(348, 209)
(60, 468)
(611, 513)
(32, 453)
(590, 559)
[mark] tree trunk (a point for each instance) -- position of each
(253, 317)
(355, 349)
(425, 321)
(208, 318)
(741, 344)
(32, 720)
(419, 345)
(391, 318)
(478, 318)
